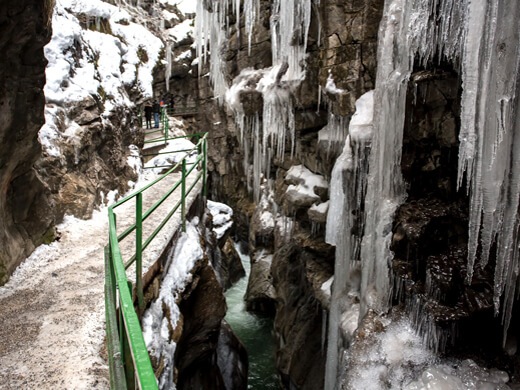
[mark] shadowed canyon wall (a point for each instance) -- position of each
(26, 211)
(286, 277)
(429, 230)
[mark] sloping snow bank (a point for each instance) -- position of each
(156, 323)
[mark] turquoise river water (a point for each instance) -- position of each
(255, 333)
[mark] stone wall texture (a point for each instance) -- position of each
(26, 216)
(342, 43)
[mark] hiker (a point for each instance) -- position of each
(156, 109)
(148, 115)
(172, 103)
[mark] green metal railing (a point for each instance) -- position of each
(129, 362)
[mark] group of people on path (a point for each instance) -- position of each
(154, 110)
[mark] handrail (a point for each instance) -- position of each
(129, 361)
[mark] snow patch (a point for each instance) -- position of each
(157, 323)
(331, 88)
(182, 30)
(222, 217)
(305, 183)
(174, 151)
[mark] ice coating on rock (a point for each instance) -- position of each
(347, 193)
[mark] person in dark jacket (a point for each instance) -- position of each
(156, 109)
(148, 115)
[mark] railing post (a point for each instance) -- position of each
(204, 165)
(167, 129)
(183, 195)
(139, 250)
(165, 125)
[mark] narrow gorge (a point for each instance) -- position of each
(364, 153)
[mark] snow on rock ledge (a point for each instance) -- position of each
(99, 64)
(222, 217)
(164, 313)
(304, 187)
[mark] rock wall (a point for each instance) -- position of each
(287, 277)
(203, 308)
(432, 224)
(85, 135)
(349, 49)
(94, 161)
(430, 232)
(26, 212)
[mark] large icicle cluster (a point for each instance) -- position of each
(489, 140)
(290, 22)
(270, 132)
(480, 37)
(212, 33)
(477, 35)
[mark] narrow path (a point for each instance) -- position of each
(52, 313)
(52, 308)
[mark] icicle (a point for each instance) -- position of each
(386, 189)
(290, 21)
(319, 99)
(278, 114)
(324, 315)
(168, 68)
(251, 10)
(236, 10)
(210, 30)
(334, 133)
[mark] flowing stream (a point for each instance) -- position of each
(255, 333)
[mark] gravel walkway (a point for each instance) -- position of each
(52, 309)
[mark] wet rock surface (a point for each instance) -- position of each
(224, 258)
(299, 270)
(430, 237)
(260, 295)
(203, 308)
(232, 359)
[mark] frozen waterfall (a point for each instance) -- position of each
(344, 219)
(481, 39)
(270, 133)
(489, 141)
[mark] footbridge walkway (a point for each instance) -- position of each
(54, 307)
(140, 227)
